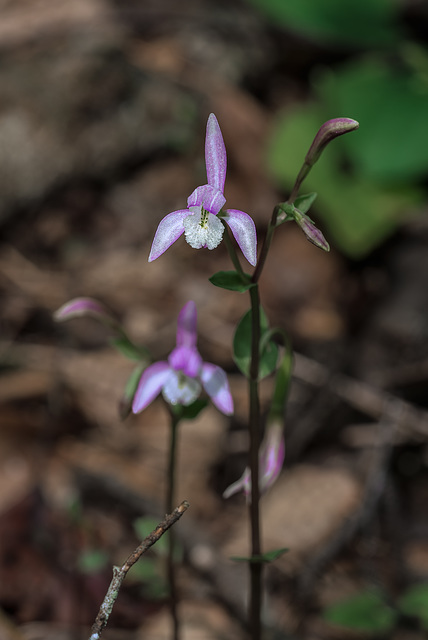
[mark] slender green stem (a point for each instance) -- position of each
(232, 252)
(301, 176)
(266, 244)
(255, 437)
(171, 573)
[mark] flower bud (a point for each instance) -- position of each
(326, 133)
(81, 307)
(312, 232)
(271, 458)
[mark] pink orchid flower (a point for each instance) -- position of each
(200, 221)
(182, 377)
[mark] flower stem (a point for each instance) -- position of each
(171, 569)
(232, 252)
(266, 244)
(255, 436)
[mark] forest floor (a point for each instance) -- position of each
(102, 120)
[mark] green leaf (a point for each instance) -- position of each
(414, 602)
(242, 346)
(125, 405)
(358, 212)
(367, 611)
(282, 384)
(191, 411)
(149, 571)
(353, 23)
(265, 558)
(128, 349)
(92, 561)
(232, 280)
(305, 202)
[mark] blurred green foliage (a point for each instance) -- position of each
(366, 611)
(367, 181)
(414, 602)
(354, 23)
(369, 610)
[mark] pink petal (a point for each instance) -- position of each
(272, 454)
(216, 385)
(215, 154)
(150, 385)
(207, 197)
(186, 325)
(244, 232)
(169, 230)
(187, 360)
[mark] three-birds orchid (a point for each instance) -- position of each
(201, 222)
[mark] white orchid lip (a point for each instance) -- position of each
(203, 229)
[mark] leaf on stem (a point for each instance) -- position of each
(232, 280)
(128, 349)
(242, 346)
(305, 202)
(264, 558)
(125, 404)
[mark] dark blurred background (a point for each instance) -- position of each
(103, 107)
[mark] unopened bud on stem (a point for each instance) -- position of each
(326, 133)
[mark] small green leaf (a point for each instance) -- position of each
(367, 611)
(305, 202)
(149, 571)
(125, 405)
(282, 384)
(191, 411)
(128, 349)
(242, 346)
(232, 280)
(265, 558)
(414, 602)
(92, 561)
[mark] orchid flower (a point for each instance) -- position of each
(200, 221)
(181, 378)
(271, 457)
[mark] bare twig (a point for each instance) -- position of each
(119, 573)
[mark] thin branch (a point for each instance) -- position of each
(119, 573)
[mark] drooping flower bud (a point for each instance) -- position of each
(326, 133)
(81, 307)
(311, 231)
(271, 458)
